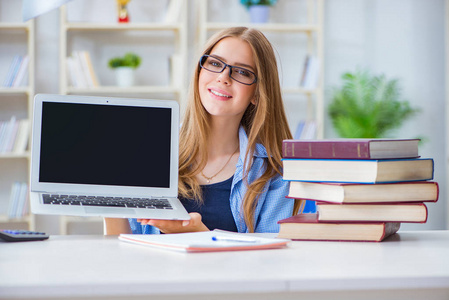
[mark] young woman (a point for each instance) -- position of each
(230, 169)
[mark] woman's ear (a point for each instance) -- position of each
(253, 101)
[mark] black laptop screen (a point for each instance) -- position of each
(105, 145)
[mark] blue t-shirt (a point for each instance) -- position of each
(216, 209)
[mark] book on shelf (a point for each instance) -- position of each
(13, 68)
(411, 191)
(206, 241)
(89, 68)
(80, 71)
(391, 212)
(311, 72)
(306, 130)
(351, 148)
(21, 140)
(173, 11)
(18, 200)
(308, 227)
(18, 80)
(358, 171)
(14, 135)
(7, 134)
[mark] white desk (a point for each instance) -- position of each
(408, 265)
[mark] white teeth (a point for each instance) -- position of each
(219, 94)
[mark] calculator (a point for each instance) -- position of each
(22, 235)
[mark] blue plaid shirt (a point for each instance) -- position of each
(272, 205)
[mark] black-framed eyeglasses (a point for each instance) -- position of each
(242, 75)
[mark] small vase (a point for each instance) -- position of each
(124, 76)
(259, 13)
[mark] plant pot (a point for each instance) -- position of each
(124, 76)
(259, 13)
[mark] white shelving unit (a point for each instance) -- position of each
(174, 88)
(310, 26)
(16, 101)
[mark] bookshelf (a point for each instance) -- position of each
(16, 38)
(302, 36)
(138, 36)
(152, 24)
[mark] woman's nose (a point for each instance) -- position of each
(225, 76)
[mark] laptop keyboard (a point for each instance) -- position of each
(106, 201)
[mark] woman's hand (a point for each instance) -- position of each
(177, 226)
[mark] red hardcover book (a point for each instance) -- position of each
(351, 148)
(308, 227)
(391, 212)
(412, 191)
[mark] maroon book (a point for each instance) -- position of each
(308, 227)
(351, 148)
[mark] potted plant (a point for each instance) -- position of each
(124, 67)
(259, 10)
(368, 106)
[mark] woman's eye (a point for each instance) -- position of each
(243, 72)
(215, 63)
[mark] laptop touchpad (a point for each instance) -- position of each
(108, 210)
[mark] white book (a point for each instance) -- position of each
(312, 73)
(12, 67)
(21, 200)
(16, 69)
(71, 72)
(3, 126)
(12, 138)
(82, 59)
(13, 199)
(7, 135)
(18, 80)
(93, 79)
(173, 11)
(79, 73)
(23, 136)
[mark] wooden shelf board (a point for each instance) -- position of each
(123, 26)
(130, 90)
(266, 27)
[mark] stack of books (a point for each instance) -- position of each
(364, 188)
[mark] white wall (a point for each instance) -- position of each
(403, 39)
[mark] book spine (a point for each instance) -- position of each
(338, 150)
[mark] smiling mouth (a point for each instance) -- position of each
(219, 94)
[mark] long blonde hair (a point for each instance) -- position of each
(265, 123)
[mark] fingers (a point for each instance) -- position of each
(177, 226)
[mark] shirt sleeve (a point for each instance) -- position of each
(274, 206)
(138, 228)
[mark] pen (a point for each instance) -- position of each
(234, 239)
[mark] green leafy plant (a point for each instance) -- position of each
(249, 3)
(130, 60)
(368, 106)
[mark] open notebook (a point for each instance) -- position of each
(207, 241)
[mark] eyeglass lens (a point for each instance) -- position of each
(215, 65)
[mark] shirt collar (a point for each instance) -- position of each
(259, 151)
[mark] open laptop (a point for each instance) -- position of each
(105, 156)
